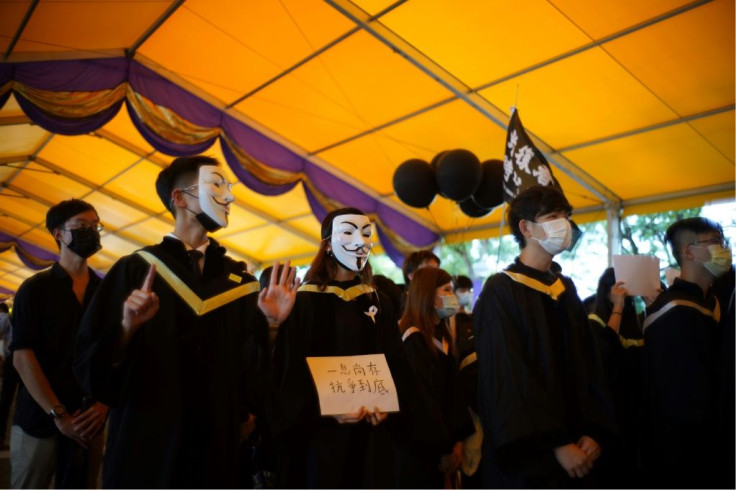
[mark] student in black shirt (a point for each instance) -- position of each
(53, 415)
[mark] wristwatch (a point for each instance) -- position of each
(58, 411)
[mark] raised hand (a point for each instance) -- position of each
(141, 305)
(618, 295)
(277, 300)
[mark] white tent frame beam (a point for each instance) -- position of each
(465, 93)
(283, 224)
(289, 145)
(601, 208)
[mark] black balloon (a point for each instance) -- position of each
(433, 164)
(490, 191)
(414, 183)
(458, 174)
(436, 159)
(471, 209)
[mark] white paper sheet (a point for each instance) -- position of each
(346, 383)
(640, 274)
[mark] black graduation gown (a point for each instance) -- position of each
(622, 363)
(681, 381)
(318, 451)
(541, 384)
(441, 398)
(187, 381)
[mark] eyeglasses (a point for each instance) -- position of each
(218, 184)
(86, 226)
(723, 242)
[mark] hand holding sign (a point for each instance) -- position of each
(141, 305)
(346, 385)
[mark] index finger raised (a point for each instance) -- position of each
(148, 281)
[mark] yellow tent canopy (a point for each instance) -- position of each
(632, 103)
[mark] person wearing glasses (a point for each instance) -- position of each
(682, 367)
(55, 420)
(176, 340)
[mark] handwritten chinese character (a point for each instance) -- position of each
(372, 369)
(378, 387)
(336, 387)
(351, 385)
(358, 369)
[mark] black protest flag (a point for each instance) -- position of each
(523, 164)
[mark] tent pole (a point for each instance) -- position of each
(613, 231)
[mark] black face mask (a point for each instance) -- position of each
(85, 242)
(207, 223)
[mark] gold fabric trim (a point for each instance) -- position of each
(554, 290)
(469, 359)
(72, 104)
(626, 343)
(715, 314)
(597, 319)
(397, 240)
(198, 305)
(167, 123)
(348, 294)
(258, 169)
(6, 87)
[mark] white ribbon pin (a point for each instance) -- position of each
(372, 311)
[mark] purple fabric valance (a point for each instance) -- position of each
(32, 256)
(79, 96)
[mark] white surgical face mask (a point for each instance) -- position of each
(465, 298)
(720, 260)
(351, 240)
(449, 306)
(559, 235)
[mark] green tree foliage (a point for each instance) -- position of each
(651, 229)
(640, 234)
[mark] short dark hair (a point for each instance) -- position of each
(678, 231)
(178, 174)
(531, 203)
(414, 260)
(58, 214)
(462, 282)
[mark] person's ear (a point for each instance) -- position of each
(178, 199)
(687, 252)
(525, 228)
(57, 234)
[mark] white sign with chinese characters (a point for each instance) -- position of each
(346, 383)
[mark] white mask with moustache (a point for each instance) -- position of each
(215, 195)
(351, 240)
